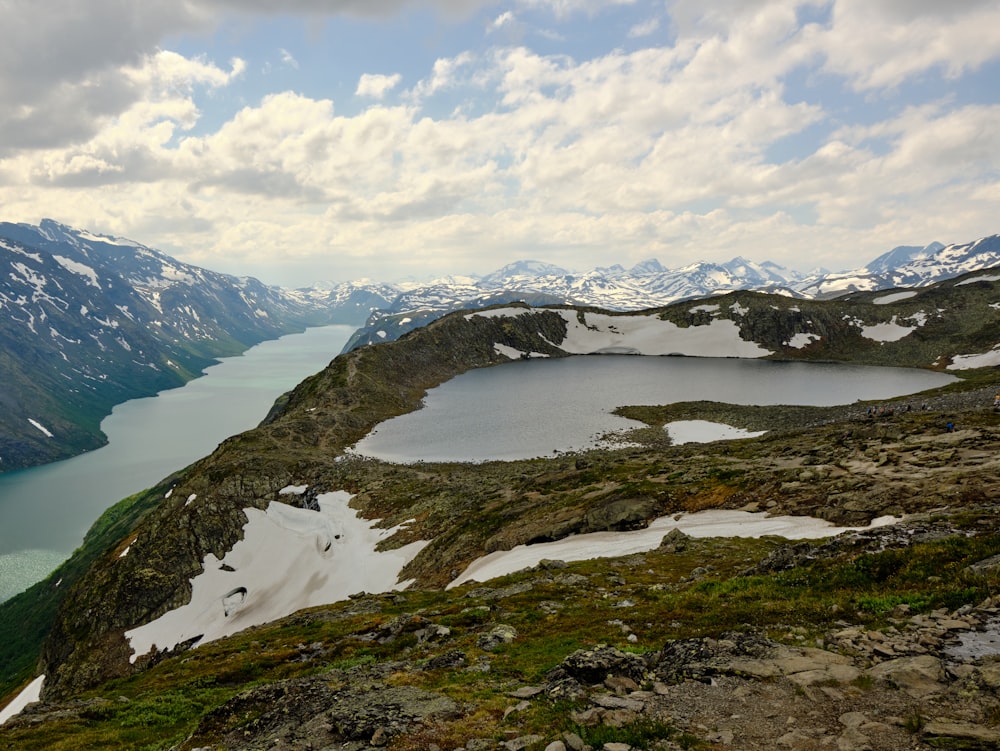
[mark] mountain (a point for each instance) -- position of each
(249, 534)
(649, 284)
(91, 321)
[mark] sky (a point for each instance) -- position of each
(307, 140)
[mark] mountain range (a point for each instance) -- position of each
(92, 320)
(649, 284)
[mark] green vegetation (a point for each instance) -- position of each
(165, 704)
(26, 619)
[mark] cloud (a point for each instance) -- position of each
(670, 150)
(882, 43)
(644, 29)
(564, 8)
(287, 58)
(443, 76)
(505, 19)
(377, 86)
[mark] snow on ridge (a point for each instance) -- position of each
(895, 297)
(974, 279)
(642, 335)
(289, 559)
(649, 335)
(712, 523)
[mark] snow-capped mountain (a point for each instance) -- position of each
(90, 321)
(650, 285)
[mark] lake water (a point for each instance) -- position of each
(534, 408)
(45, 511)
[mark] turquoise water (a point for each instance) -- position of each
(45, 511)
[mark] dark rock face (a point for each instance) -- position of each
(592, 666)
(319, 712)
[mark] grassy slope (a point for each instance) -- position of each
(166, 705)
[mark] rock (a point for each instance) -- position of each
(722, 737)
(547, 564)
(313, 709)
(593, 666)
(526, 692)
(500, 634)
(674, 541)
(960, 735)
(621, 515)
(919, 676)
(574, 742)
(853, 739)
(621, 684)
(516, 744)
(556, 746)
(616, 747)
(451, 659)
(616, 702)
(747, 655)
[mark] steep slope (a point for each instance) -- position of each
(91, 321)
(199, 516)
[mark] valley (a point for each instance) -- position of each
(443, 667)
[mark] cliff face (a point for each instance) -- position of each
(466, 511)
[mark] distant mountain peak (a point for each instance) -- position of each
(526, 268)
(649, 266)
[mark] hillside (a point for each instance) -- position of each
(91, 321)
(443, 667)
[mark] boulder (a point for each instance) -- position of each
(918, 676)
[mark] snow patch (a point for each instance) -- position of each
(293, 490)
(894, 297)
(41, 428)
(981, 360)
(514, 354)
(289, 559)
(31, 693)
(78, 268)
(714, 523)
(887, 332)
(974, 279)
(190, 499)
(704, 431)
(704, 309)
(802, 339)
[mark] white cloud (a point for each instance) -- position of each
(287, 58)
(665, 151)
(882, 43)
(563, 8)
(504, 19)
(443, 76)
(644, 29)
(376, 85)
